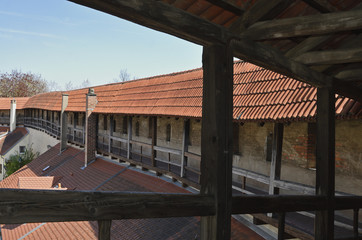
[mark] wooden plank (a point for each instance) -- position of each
(141, 143)
(193, 156)
(17, 205)
(167, 150)
(129, 137)
(161, 17)
(168, 162)
(104, 229)
(216, 139)
(325, 161)
(338, 56)
(305, 25)
(276, 161)
(118, 139)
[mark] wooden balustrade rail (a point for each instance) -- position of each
(20, 206)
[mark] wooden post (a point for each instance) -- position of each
(104, 229)
(154, 140)
(216, 139)
(281, 225)
(111, 129)
(275, 165)
(355, 223)
(325, 161)
(129, 137)
(185, 145)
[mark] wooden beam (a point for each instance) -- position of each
(274, 60)
(216, 139)
(104, 229)
(257, 12)
(325, 161)
(350, 75)
(321, 5)
(276, 161)
(161, 17)
(306, 25)
(331, 57)
(307, 45)
(228, 6)
(19, 206)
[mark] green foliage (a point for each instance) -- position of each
(18, 160)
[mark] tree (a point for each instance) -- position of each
(18, 84)
(69, 85)
(18, 160)
(123, 76)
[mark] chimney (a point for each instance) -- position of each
(12, 115)
(90, 127)
(63, 123)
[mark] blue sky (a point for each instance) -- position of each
(65, 42)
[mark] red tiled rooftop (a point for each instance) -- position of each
(20, 102)
(102, 175)
(259, 94)
(47, 101)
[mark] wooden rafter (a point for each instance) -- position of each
(331, 57)
(227, 5)
(321, 5)
(257, 12)
(306, 25)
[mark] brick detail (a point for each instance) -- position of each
(90, 127)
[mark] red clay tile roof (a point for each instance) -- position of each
(20, 102)
(102, 175)
(41, 182)
(47, 101)
(259, 94)
(8, 141)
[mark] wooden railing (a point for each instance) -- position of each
(49, 127)
(19, 206)
(80, 205)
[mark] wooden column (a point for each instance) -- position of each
(104, 229)
(154, 140)
(325, 161)
(275, 165)
(129, 137)
(185, 145)
(111, 129)
(216, 139)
